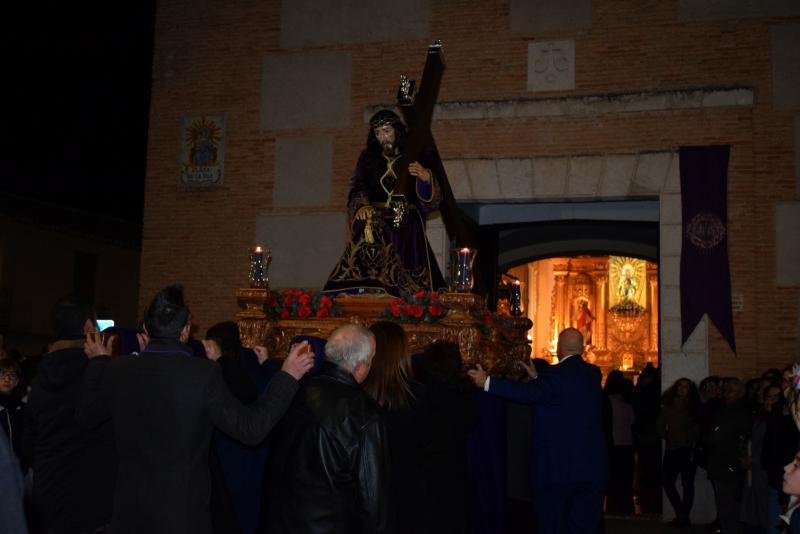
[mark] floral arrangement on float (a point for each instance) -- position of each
(293, 303)
(498, 322)
(418, 307)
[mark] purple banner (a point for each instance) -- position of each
(705, 273)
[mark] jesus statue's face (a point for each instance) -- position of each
(385, 136)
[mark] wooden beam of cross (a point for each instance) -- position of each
(417, 113)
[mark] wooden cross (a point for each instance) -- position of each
(417, 113)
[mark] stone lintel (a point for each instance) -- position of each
(588, 104)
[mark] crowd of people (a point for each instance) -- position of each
(172, 437)
(350, 434)
(740, 435)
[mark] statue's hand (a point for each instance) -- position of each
(364, 212)
(415, 169)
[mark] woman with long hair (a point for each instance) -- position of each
(401, 398)
(679, 427)
(389, 379)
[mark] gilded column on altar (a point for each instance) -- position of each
(561, 304)
(601, 282)
(653, 283)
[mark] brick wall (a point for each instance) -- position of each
(209, 58)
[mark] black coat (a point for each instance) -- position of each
(780, 446)
(73, 481)
(452, 415)
(409, 433)
(727, 441)
(13, 424)
(328, 462)
(164, 405)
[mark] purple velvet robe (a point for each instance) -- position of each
(397, 258)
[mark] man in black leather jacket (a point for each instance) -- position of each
(327, 467)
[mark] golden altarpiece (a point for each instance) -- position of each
(612, 300)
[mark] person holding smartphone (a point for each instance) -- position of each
(164, 405)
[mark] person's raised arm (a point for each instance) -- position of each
(536, 390)
(94, 404)
(251, 424)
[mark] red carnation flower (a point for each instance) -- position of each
(322, 312)
(434, 297)
(325, 302)
(419, 294)
(284, 313)
(409, 309)
(304, 300)
(435, 311)
(297, 292)
(304, 311)
(286, 292)
(417, 311)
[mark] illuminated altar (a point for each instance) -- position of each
(612, 300)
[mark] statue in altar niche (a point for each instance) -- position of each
(628, 286)
(387, 251)
(582, 319)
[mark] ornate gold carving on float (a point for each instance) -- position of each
(496, 353)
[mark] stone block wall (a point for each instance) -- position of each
(594, 95)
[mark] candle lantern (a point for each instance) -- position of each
(515, 303)
(259, 263)
(461, 261)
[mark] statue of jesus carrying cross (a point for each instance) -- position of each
(399, 179)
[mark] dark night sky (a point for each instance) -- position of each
(77, 80)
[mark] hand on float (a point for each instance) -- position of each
(363, 212)
(415, 169)
(530, 369)
(478, 376)
(300, 360)
(261, 353)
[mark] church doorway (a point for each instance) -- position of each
(589, 265)
(612, 300)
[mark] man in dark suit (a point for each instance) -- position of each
(569, 462)
(164, 404)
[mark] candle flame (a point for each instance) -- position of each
(258, 249)
(465, 250)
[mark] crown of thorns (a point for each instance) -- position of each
(383, 118)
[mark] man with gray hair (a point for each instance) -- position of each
(328, 460)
